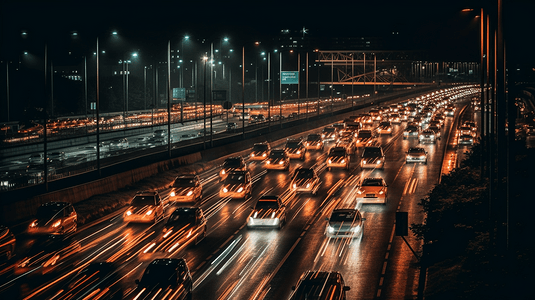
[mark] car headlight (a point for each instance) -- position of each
(364, 162)
(264, 155)
(323, 135)
(222, 172)
(33, 224)
(225, 189)
(378, 162)
(318, 144)
(308, 144)
(273, 215)
(281, 162)
(381, 192)
(330, 161)
(240, 189)
(190, 193)
(343, 161)
(268, 162)
(57, 223)
(359, 191)
(308, 185)
(252, 154)
(173, 194)
(149, 212)
(128, 212)
(295, 185)
(330, 229)
(355, 229)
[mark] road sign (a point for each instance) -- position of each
(402, 223)
(289, 77)
(179, 93)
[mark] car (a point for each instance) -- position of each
(427, 136)
(295, 149)
(465, 139)
(164, 276)
(314, 142)
(187, 188)
(385, 127)
(471, 124)
(145, 207)
(364, 138)
(305, 180)
(260, 151)
(292, 115)
(186, 225)
(54, 218)
(347, 143)
(159, 133)
(37, 159)
(236, 163)
(449, 112)
(345, 223)
(320, 285)
(436, 130)
(416, 154)
(118, 144)
(338, 157)
(395, 118)
(466, 130)
(339, 127)
(269, 211)
(57, 156)
(142, 141)
(98, 279)
(435, 122)
(372, 190)
(412, 130)
(244, 116)
(7, 243)
(277, 160)
(231, 127)
(254, 119)
(372, 158)
(238, 184)
(328, 133)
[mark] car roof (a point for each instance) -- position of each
(61, 204)
(268, 198)
(186, 176)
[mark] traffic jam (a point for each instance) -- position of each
(286, 219)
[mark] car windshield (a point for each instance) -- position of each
(232, 163)
(235, 178)
(313, 137)
(267, 204)
(262, 147)
(344, 216)
(292, 145)
(365, 134)
(143, 201)
(184, 182)
(47, 212)
(385, 124)
(337, 152)
(411, 128)
(277, 154)
(372, 182)
(372, 152)
(159, 275)
(305, 174)
(329, 129)
(181, 218)
(416, 151)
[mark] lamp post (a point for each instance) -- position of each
(205, 58)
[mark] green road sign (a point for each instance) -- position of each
(289, 77)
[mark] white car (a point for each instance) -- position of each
(269, 211)
(345, 223)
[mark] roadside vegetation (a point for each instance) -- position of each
(466, 252)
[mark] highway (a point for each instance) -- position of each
(236, 262)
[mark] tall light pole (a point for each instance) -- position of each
(205, 58)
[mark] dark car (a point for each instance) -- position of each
(238, 184)
(277, 160)
(373, 157)
(146, 207)
(305, 180)
(320, 285)
(165, 276)
(231, 164)
(98, 280)
(185, 225)
(56, 218)
(345, 223)
(7, 243)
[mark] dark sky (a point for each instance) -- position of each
(437, 26)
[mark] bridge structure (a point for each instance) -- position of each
(391, 68)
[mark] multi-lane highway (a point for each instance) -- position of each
(237, 262)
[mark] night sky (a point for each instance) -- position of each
(436, 26)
